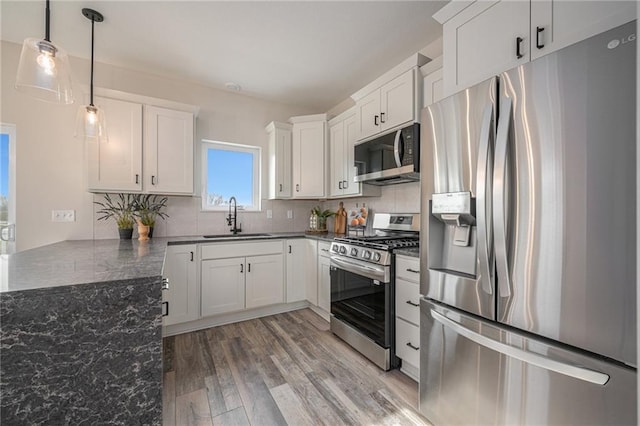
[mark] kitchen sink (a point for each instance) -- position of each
(239, 235)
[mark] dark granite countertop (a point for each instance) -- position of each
(94, 261)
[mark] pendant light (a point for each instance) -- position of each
(93, 117)
(43, 70)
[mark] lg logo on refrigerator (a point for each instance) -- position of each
(615, 43)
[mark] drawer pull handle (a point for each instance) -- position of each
(413, 347)
(519, 41)
(412, 304)
(413, 270)
(165, 305)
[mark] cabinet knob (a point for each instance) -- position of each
(539, 30)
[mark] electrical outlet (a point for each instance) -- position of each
(269, 214)
(289, 214)
(63, 215)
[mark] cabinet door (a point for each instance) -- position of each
(116, 165)
(349, 186)
(324, 283)
(397, 101)
(311, 273)
(222, 285)
(480, 42)
(296, 256)
(368, 115)
(309, 159)
(182, 296)
(283, 163)
(168, 151)
(557, 24)
(264, 280)
(433, 88)
(337, 163)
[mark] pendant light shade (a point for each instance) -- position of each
(44, 71)
(92, 117)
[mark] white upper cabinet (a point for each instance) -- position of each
(485, 38)
(116, 165)
(342, 170)
(558, 23)
(391, 100)
(168, 151)
(150, 149)
(280, 167)
(390, 106)
(309, 156)
(433, 83)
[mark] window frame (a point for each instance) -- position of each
(207, 144)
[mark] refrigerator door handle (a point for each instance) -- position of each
(396, 148)
(499, 193)
(483, 185)
(523, 355)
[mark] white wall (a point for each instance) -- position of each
(50, 161)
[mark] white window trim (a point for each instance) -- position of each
(257, 173)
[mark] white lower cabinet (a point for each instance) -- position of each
(264, 280)
(407, 285)
(222, 285)
(301, 280)
(324, 276)
(237, 276)
(181, 298)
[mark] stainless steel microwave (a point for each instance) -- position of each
(389, 159)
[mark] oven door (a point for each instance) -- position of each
(362, 296)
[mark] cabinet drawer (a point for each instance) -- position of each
(408, 334)
(323, 248)
(238, 249)
(408, 268)
(408, 301)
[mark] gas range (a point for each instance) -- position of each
(393, 231)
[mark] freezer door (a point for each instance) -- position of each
(474, 372)
(564, 193)
(457, 137)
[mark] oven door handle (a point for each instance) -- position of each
(380, 273)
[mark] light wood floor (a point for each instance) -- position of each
(282, 369)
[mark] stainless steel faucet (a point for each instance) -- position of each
(232, 218)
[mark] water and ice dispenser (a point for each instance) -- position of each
(452, 233)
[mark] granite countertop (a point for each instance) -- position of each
(94, 261)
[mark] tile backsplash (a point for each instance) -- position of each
(187, 219)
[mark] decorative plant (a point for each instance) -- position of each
(147, 208)
(322, 216)
(120, 209)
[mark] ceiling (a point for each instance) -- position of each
(308, 53)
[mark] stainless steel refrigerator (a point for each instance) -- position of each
(528, 243)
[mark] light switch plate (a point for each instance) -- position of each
(289, 214)
(269, 214)
(63, 215)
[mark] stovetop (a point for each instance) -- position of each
(382, 242)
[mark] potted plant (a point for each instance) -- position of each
(120, 209)
(322, 217)
(147, 208)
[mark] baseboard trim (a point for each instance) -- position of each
(228, 318)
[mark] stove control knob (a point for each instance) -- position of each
(343, 250)
(354, 252)
(366, 254)
(335, 248)
(376, 257)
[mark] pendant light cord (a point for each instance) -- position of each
(46, 22)
(91, 86)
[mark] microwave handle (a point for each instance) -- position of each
(396, 148)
